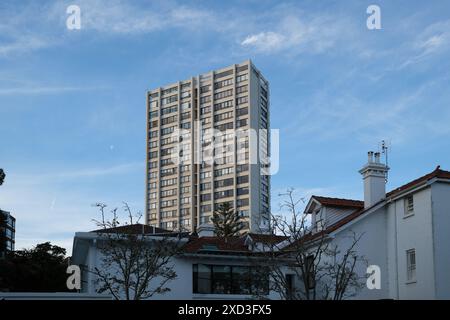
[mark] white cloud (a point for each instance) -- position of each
(37, 26)
(433, 40)
(38, 90)
(38, 178)
(25, 28)
(95, 172)
(124, 17)
(23, 43)
(297, 33)
(265, 41)
(403, 118)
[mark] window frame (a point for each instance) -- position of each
(411, 266)
(408, 206)
(251, 284)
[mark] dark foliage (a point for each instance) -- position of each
(41, 269)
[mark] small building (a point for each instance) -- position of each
(7, 233)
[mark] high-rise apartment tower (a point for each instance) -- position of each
(221, 115)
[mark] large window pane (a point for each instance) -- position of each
(259, 281)
(221, 279)
(203, 279)
(241, 280)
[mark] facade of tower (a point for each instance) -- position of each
(208, 143)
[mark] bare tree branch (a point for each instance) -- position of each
(133, 265)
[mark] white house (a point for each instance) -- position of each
(208, 267)
(405, 231)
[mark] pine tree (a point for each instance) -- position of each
(227, 222)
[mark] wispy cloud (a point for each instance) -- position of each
(40, 25)
(125, 17)
(24, 28)
(95, 172)
(54, 208)
(401, 118)
(297, 33)
(81, 173)
(265, 41)
(433, 40)
(41, 90)
(23, 43)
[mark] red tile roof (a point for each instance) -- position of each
(214, 244)
(312, 236)
(133, 229)
(437, 173)
(338, 202)
(266, 238)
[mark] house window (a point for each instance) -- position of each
(409, 206)
(225, 279)
(319, 224)
(411, 264)
(310, 274)
(289, 286)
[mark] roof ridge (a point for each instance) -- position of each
(436, 173)
(336, 198)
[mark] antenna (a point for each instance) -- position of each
(385, 146)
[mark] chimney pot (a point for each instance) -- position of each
(206, 230)
(377, 157)
(370, 156)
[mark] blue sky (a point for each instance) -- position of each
(72, 103)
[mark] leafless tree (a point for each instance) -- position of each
(321, 268)
(340, 269)
(134, 265)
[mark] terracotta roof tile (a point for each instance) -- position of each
(437, 173)
(134, 229)
(205, 244)
(266, 238)
(338, 202)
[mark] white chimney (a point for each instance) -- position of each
(374, 176)
(205, 230)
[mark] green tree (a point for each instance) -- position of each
(227, 222)
(41, 269)
(2, 176)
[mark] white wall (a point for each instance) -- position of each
(388, 234)
(440, 193)
(333, 215)
(372, 246)
(182, 286)
(415, 232)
